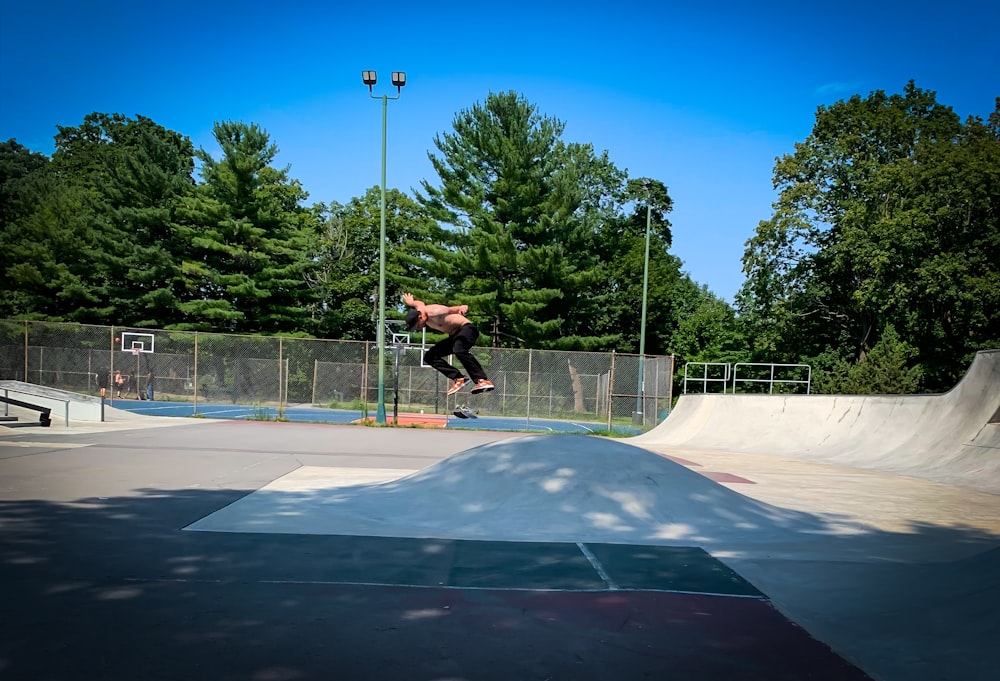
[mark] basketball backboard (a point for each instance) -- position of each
(141, 342)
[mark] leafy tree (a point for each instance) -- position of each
(94, 244)
(622, 246)
(52, 256)
(886, 216)
(707, 330)
(148, 176)
(885, 370)
(347, 259)
(20, 170)
(16, 163)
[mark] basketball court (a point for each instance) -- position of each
(309, 414)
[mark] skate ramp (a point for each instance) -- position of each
(951, 438)
(536, 488)
(65, 405)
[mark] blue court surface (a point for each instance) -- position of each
(246, 412)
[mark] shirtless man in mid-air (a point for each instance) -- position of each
(462, 336)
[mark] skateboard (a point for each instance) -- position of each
(465, 412)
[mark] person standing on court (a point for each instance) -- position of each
(462, 336)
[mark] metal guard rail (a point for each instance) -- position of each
(48, 410)
(44, 413)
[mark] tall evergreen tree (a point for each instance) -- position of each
(250, 240)
(519, 244)
(148, 177)
(95, 244)
(20, 170)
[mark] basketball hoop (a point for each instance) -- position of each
(136, 351)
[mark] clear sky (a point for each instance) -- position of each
(701, 96)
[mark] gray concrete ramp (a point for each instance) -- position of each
(536, 488)
(946, 438)
(66, 405)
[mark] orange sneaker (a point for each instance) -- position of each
(482, 386)
(457, 385)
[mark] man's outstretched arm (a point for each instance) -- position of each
(434, 309)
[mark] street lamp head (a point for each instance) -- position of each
(399, 79)
(369, 78)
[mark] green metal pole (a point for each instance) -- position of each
(642, 321)
(380, 409)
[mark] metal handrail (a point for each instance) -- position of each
(705, 380)
(772, 380)
(8, 400)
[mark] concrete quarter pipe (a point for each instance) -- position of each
(953, 438)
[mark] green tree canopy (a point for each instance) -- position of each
(347, 258)
(249, 240)
(94, 244)
(522, 212)
(886, 216)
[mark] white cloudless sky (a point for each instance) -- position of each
(703, 97)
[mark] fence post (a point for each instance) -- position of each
(364, 379)
(195, 410)
(26, 351)
(315, 377)
(670, 386)
(527, 406)
(111, 367)
(282, 394)
(611, 389)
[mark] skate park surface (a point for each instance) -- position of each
(757, 537)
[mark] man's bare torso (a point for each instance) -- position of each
(440, 318)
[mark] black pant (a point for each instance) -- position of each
(459, 344)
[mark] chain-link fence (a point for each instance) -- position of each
(280, 372)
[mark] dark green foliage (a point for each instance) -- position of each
(621, 243)
(887, 218)
(94, 244)
(345, 279)
(17, 164)
(248, 241)
(886, 369)
(528, 223)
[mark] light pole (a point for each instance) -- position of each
(399, 80)
(639, 402)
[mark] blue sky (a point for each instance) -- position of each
(702, 98)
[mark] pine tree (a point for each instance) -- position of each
(249, 237)
(517, 207)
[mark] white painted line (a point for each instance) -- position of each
(597, 566)
(50, 445)
(447, 587)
